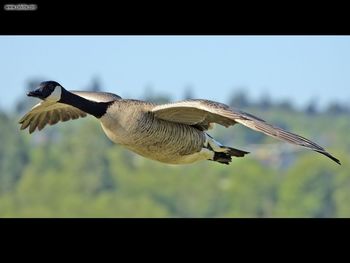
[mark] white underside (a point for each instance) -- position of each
(215, 145)
(204, 154)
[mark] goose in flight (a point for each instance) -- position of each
(173, 133)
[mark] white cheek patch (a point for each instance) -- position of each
(55, 95)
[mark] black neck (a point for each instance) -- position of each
(97, 109)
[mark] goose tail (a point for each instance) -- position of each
(225, 157)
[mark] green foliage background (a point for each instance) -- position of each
(73, 170)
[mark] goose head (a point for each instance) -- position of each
(48, 91)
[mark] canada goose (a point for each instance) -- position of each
(171, 133)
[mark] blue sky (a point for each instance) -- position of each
(297, 68)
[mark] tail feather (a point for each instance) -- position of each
(222, 158)
(236, 152)
(226, 157)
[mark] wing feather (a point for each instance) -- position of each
(51, 113)
(196, 112)
(204, 112)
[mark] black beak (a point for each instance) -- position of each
(35, 93)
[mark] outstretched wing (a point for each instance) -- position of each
(50, 113)
(204, 112)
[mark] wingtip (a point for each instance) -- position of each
(330, 156)
(334, 159)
